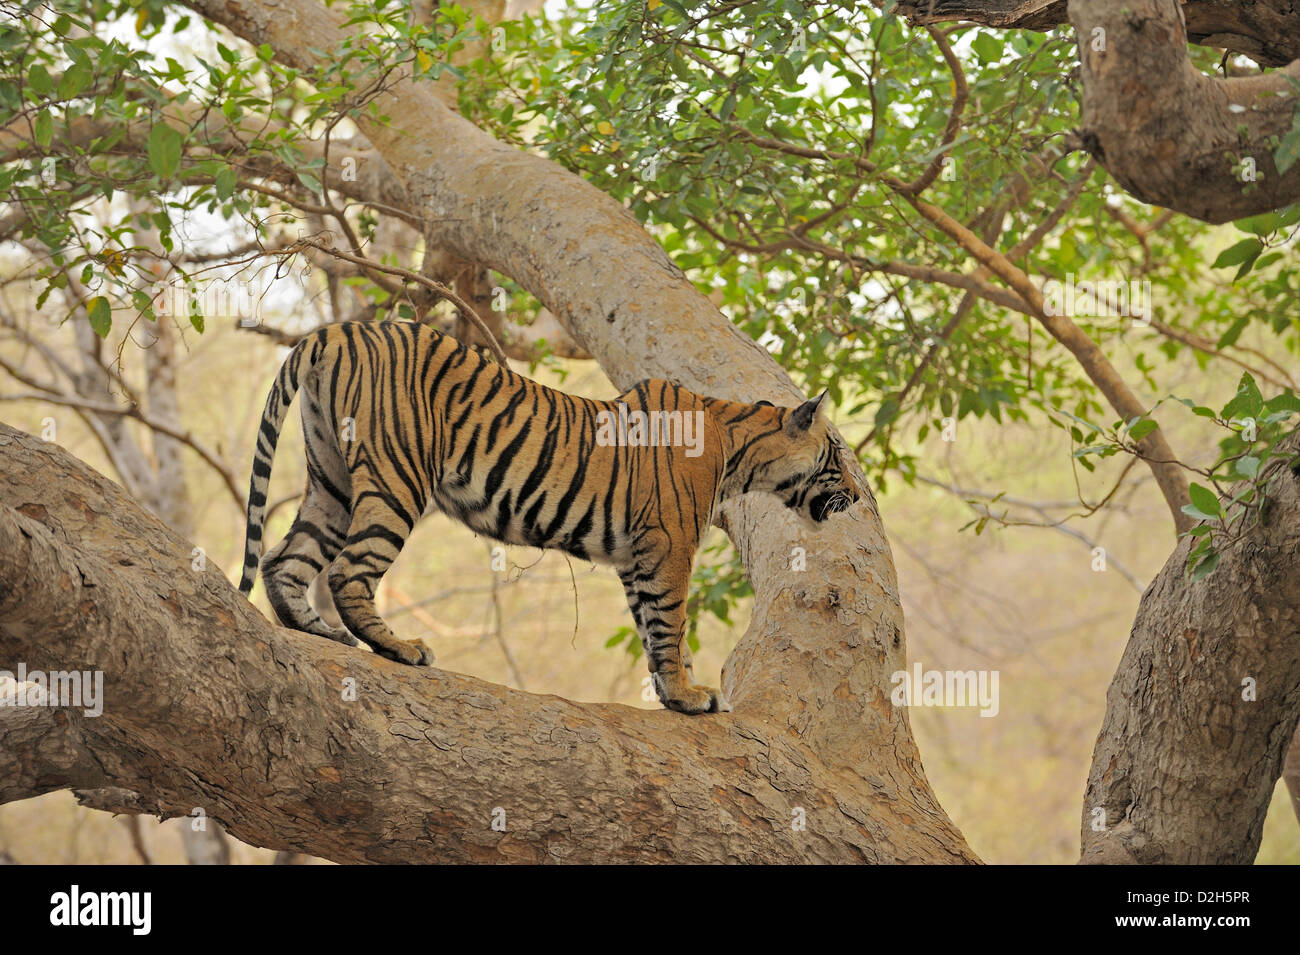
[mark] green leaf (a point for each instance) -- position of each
(74, 79)
(44, 129)
(225, 183)
(1248, 466)
(1204, 500)
(101, 315)
(1142, 429)
(1206, 566)
(1288, 150)
(887, 412)
(1247, 403)
(1233, 333)
(39, 79)
(1265, 223)
(1286, 401)
(165, 150)
(75, 53)
(987, 47)
(787, 72)
(1247, 250)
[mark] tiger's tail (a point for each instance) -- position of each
(277, 406)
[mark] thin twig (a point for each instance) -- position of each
(436, 287)
(185, 437)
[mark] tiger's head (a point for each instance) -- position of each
(806, 466)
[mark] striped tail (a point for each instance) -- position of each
(277, 406)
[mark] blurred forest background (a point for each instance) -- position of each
(1027, 595)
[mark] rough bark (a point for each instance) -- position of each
(1291, 773)
(1185, 765)
(206, 845)
(209, 707)
(1171, 135)
(1265, 31)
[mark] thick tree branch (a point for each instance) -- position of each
(1212, 668)
(1264, 30)
(1171, 135)
(297, 743)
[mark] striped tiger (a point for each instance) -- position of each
(399, 418)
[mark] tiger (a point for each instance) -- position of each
(400, 420)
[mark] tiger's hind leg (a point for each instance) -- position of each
(375, 538)
(290, 567)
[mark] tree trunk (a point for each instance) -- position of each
(1291, 773)
(1171, 135)
(1205, 702)
(1264, 30)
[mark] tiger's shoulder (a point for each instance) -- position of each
(660, 394)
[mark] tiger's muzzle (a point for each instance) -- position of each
(824, 505)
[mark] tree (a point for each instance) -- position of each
(810, 679)
(1215, 148)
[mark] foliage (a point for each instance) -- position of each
(103, 94)
(1234, 495)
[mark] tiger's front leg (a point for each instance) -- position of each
(658, 603)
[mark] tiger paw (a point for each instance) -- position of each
(693, 699)
(411, 652)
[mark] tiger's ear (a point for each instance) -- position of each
(802, 418)
(765, 403)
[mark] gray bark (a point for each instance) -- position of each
(1264, 30)
(1171, 135)
(1186, 761)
